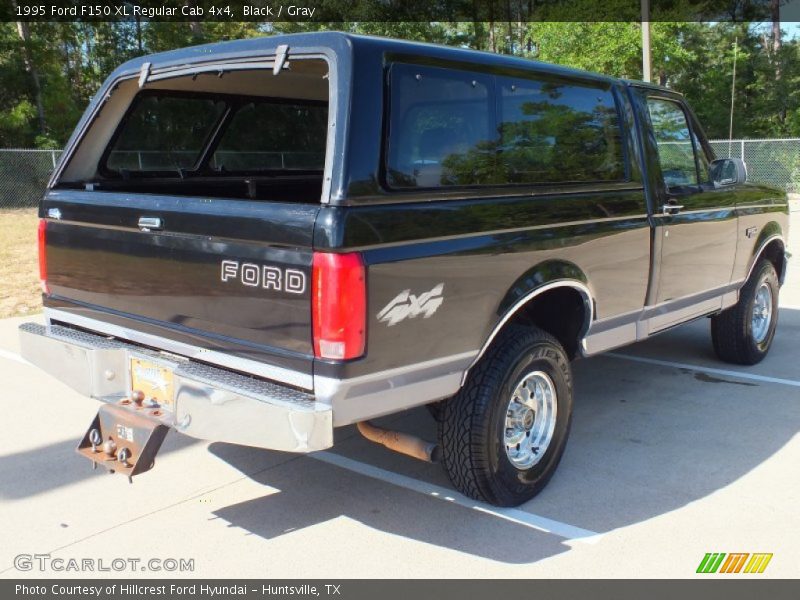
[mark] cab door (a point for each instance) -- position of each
(695, 224)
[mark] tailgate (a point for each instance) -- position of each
(227, 275)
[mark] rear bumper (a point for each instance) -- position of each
(209, 403)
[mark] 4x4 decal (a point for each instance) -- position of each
(408, 306)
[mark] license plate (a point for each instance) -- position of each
(154, 380)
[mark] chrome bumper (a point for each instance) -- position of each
(210, 403)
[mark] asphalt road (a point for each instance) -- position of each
(672, 455)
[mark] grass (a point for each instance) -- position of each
(20, 293)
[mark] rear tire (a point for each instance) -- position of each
(743, 333)
(503, 434)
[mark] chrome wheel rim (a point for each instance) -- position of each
(530, 420)
(762, 313)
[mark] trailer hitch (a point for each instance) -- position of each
(124, 440)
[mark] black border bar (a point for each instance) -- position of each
(397, 589)
(343, 11)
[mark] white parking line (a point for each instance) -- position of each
(13, 356)
(514, 515)
(699, 369)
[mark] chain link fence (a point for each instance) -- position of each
(24, 172)
(23, 175)
(771, 161)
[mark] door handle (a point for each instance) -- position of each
(150, 223)
(671, 209)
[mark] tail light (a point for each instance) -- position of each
(43, 255)
(339, 305)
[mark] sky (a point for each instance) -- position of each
(792, 30)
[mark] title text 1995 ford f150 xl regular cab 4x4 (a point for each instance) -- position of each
(259, 241)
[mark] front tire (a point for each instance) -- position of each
(743, 333)
(503, 434)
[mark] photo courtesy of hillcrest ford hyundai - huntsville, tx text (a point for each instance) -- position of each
(259, 241)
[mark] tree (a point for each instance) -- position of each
(30, 67)
(49, 71)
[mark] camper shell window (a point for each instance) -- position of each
(457, 128)
(244, 134)
(171, 134)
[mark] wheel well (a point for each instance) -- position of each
(561, 312)
(774, 252)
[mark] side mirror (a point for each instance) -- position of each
(728, 171)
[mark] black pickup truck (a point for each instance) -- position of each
(259, 241)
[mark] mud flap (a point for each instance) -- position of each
(122, 440)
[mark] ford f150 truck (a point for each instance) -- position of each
(259, 241)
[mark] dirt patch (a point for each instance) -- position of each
(20, 293)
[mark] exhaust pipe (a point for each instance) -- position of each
(404, 443)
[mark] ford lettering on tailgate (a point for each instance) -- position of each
(267, 277)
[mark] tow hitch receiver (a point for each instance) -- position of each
(124, 440)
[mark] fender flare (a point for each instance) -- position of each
(769, 235)
(514, 307)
